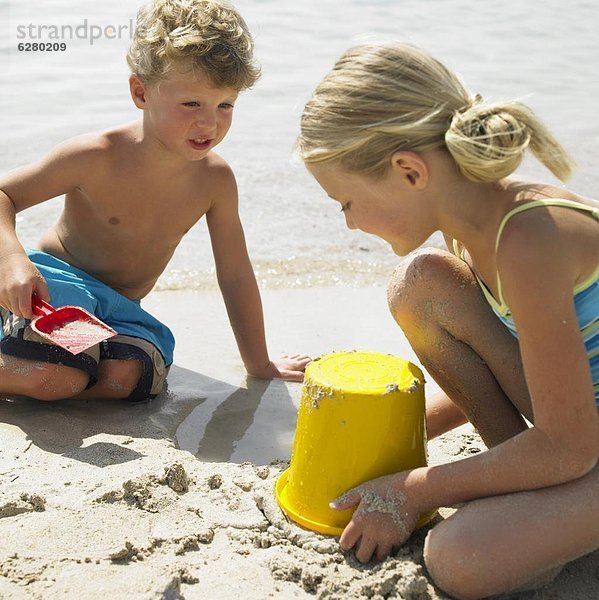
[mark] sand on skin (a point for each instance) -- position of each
(173, 498)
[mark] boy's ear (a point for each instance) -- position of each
(411, 168)
(138, 91)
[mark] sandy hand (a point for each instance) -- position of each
(382, 521)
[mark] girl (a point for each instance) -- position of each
(506, 322)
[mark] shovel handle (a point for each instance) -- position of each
(40, 307)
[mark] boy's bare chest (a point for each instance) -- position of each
(124, 235)
(132, 210)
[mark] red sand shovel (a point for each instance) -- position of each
(69, 327)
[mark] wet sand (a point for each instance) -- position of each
(173, 498)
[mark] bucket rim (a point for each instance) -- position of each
(294, 515)
(316, 526)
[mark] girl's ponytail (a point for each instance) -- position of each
(488, 141)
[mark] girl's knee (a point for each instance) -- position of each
(451, 562)
(469, 560)
(51, 382)
(442, 564)
(423, 276)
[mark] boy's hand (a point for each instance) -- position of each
(19, 279)
(384, 519)
(290, 368)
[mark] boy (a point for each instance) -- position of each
(131, 193)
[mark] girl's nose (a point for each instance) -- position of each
(349, 221)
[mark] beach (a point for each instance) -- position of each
(173, 498)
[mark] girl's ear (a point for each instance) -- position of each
(411, 168)
(138, 91)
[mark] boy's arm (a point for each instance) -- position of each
(238, 284)
(23, 188)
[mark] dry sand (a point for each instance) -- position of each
(173, 498)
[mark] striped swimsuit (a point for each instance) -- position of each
(586, 293)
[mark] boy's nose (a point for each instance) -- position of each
(206, 119)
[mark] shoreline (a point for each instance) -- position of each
(173, 498)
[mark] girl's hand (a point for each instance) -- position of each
(19, 279)
(290, 368)
(384, 519)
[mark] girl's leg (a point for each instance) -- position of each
(436, 300)
(512, 542)
(442, 415)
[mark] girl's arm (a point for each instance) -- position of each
(538, 277)
(564, 443)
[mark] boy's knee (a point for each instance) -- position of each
(119, 378)
(415, 282)
(50, 382)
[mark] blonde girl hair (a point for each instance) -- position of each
(382, 98)
(209, 35)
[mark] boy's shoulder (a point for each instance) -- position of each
(217, 166)
(93, 146)
(216, 175)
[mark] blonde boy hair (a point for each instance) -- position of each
(382, 98)
(209, 35)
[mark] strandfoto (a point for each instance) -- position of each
(84, 31)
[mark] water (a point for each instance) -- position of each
(539, 52)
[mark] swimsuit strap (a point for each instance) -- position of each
(456, 249)
(543, 202)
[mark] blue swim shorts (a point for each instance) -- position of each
(140, 336)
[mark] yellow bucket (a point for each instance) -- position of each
(361, 416)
